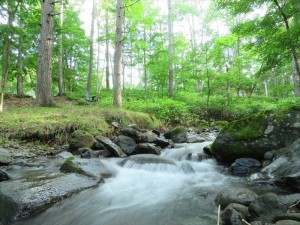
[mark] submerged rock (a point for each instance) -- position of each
(255, 135)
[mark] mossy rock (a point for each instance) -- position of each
(179, 135)
(69, 167)
(255, 135)
(81, 139)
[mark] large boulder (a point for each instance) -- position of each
(255, 135)
(28, 195)
(81, 139)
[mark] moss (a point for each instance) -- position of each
(178, 130)
(247, 128)
(69, 167)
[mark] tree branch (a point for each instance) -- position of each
(285, 19)
(126, 6)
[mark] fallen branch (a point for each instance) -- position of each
(245, 222)
(219, 212)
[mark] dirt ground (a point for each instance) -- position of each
(12, 102)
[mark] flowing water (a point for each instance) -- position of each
(147, 190)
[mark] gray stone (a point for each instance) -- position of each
(64, 155)
(266, 207)
(239, 208)
(179, 135)
(287, 222)
(148, 137)
(147, 148)
(230, 216)
(99, 146)
(244, 167)
(132, 133)
(288, 216)
(242, 196)
(5, 157)
(115, 149)
(127, 144)
(161, 142)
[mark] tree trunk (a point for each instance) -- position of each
(89, 80)
(99, 77)
(144, 62)
(295, 63)
(44, 76)
(118, 55)
(107, 49)
(60, 51)
(20, 63)
(171, 53)
(5, 58)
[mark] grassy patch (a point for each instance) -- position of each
(54, 125)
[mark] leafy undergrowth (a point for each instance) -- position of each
(54, 125)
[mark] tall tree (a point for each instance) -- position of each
(20, 61)
(89, 80)
(107, 46)
(60, 50)
(295, 63)
(44, 95)
(11, 10)
(171, 52)
(118, 54)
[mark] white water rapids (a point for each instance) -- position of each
(167, 191)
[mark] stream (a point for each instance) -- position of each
(169, 190)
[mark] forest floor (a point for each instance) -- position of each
(14, 102)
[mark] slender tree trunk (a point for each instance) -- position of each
(295, 63)
(20, 63)
(171, 52)
(118, 55)
(60, 50)
(89, 80)
(44, 95)
(107, 49)
(144, 62)
(99, 77)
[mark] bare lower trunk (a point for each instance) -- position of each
(171, 53)
(118, 55)
(20, 64)
(296, 74)
(44, 77)
(89, 80)
(107, 50)
(60, 51)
